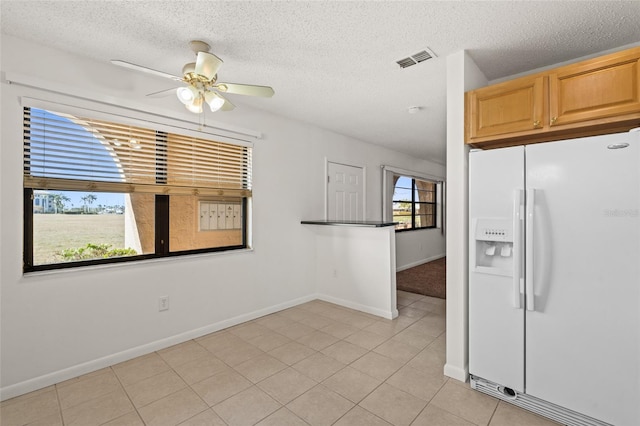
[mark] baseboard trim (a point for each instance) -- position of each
(390, 314)
(420, 262)
(49, 379)
(461, 374)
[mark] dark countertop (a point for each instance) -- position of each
(362, 223)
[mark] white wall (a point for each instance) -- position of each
(57, 325)
(356, 268)
(417, 247)
(462, 75)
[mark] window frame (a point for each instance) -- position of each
(414, 189)
(161, 211)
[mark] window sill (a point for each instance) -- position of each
(187, 257)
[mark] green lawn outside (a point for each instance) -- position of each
(53, 233)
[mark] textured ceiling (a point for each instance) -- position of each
(332, 64)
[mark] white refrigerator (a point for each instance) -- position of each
(554, 277)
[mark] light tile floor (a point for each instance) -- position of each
(314, 364)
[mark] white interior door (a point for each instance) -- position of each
(345, 192)
(583, 332)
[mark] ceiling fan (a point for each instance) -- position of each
(201, 82)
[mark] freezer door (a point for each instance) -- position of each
(496, 308)
(583, 332)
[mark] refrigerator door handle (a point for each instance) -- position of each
(517, 250)
(529, 232)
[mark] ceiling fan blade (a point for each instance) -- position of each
(245, 89)
(162, 93)
(207, 65)
(227, 106)
(144, 69)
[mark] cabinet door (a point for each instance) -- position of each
(213, 216)
(228, 217)
(598, 89)
(509, 107)
(237, 216)
(221, 216)
(204, 216)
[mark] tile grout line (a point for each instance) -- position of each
(135, 409)
(110, 370)
(190, 386)
(493, 413)
(55, 388)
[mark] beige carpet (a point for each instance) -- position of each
(428, 279)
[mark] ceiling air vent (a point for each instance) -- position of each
(416, 58)
(406, 62)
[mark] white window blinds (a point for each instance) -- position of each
(63, 151)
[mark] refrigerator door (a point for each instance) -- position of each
(583, 329)
(496, 307)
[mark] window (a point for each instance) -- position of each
(98, 191)
(415, 203)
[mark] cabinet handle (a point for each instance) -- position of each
(536, 124)
(553, 120)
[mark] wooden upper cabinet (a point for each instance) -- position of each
(595, 89)
(592, 97)
(513, 106)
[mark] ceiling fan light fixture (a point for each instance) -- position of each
(189, 68)
(187, 94)
(196, 105)
(214, 101)
(199, 78)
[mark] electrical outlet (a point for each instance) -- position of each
(163, 303)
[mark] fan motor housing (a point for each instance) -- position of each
(199, 46)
